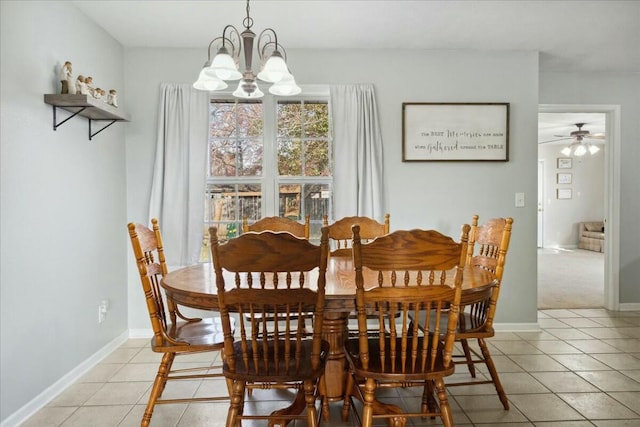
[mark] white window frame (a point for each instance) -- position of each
(270, 180)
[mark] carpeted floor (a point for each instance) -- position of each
(570, 278)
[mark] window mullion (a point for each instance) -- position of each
(270, 172)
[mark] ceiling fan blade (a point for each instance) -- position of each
(596, 136)
(554, 140)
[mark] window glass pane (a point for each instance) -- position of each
(289, 120)
(222, 157)
(316, 201)
(316, 120)
(235, 139)
(289, 201)
(222, 119)
(290, 157)
(225, 205)
(250, 157)
(317, 158)
(250, 119)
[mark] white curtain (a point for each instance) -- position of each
(358, 175)
(177, 192)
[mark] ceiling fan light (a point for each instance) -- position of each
(580, 150)
(593, 149)
(566, 151)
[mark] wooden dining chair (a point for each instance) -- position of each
(488, 246)
(263, 277)
(340, 233)
(405, 272)
(173, 333)
(277, 223)
(340, 238)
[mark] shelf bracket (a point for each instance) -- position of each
(91, 135)
(55, 125)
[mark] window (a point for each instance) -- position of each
(267, 158)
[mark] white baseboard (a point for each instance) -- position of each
(59, 386)
(630, 306)
(516, 327)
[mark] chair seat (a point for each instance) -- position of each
(411, 372)
(198, 335)
(266, 369)
(468, 323)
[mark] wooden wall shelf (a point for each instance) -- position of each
(85, 106)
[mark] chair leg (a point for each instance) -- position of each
(310, 399)
(369, 396)
(346, 406)
(324, 402)
(494, 373)
(236, 405)
(467, 355)
(428, 400)
(445, 409)
(158, 387)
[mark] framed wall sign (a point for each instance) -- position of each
(565, 163)
(564, 193)
(455, 132)
(564, 178)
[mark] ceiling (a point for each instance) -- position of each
(570, 35)
(550, 125)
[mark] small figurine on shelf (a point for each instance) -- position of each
(88, 81)
(112, 98)
(98, 93)
(66, 78)
(81, 86)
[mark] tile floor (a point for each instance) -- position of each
(581, 369)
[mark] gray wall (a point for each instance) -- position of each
(65, 201)
(63, 233)
(612, 89)
(440, 195)
(587, 202)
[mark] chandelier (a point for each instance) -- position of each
(225, 65)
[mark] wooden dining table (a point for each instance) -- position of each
(195, 286)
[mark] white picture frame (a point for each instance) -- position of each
(565, 162)
(455, 131)
(564, 193)
(564, 178)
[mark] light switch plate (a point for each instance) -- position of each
(519, 200)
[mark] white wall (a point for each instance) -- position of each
(63, 223)
(612, 89)
(587, 202)
(427, 195)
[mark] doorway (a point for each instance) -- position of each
(611, 193)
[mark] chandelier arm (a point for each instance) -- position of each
(268, 38)
(233, 33)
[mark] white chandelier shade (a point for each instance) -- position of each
(285, 87)
(208, 81)
(225, 64)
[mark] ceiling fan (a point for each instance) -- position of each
(577, 147)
